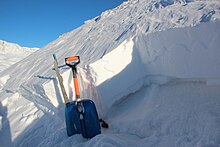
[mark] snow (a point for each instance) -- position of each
(169, 115)
(11, 53)
(181, 55)
(113, 63)
(151, 67)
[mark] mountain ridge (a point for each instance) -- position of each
(11, 53)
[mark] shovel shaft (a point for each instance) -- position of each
(73, 62)
(76, 83)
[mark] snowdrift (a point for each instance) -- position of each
(152, 68)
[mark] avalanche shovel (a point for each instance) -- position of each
(86, 109)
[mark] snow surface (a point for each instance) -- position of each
(11, 53)
(152, 68)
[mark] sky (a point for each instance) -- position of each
(35, 23)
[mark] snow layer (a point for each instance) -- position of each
(152, 68)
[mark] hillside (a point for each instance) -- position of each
(11, 53)
(152, 68)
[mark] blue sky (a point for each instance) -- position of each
(35, 23)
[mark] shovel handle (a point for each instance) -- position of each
(76, 86)
(73, 62)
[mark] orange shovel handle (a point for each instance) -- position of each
(76, 86)
(73, 61)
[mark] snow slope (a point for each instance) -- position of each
(152, 68)
(11, 53)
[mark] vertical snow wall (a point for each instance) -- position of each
(185, 53)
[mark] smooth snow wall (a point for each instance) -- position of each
(190, 53)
